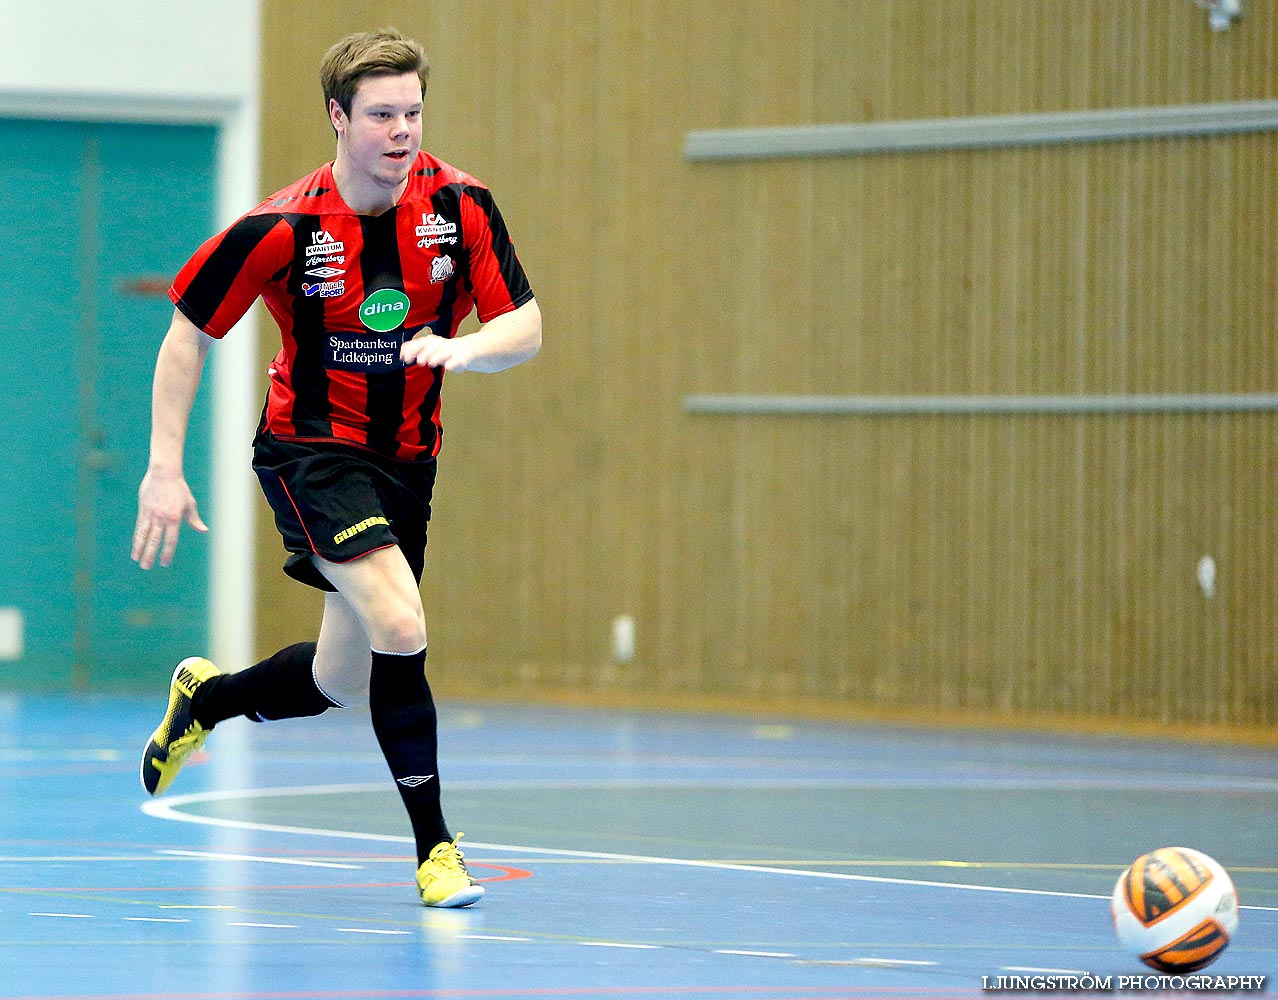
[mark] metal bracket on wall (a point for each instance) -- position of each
(1050, 128)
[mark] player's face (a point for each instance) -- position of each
(384, 130)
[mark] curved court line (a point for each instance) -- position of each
(1045, 782)
(168, 809)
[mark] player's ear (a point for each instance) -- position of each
(337, 116)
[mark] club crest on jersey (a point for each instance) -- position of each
(323, 245)
(441, 269)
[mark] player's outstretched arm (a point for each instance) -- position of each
(503, 342)
(164, 498)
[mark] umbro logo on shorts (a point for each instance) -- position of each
(415, 780)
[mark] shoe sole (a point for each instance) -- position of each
(465, 897)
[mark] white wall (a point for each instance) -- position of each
(194, 61)
(144, 48)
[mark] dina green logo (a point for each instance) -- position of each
(384, 310)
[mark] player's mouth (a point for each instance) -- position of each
(397, 155)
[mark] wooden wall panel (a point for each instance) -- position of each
(981, 565)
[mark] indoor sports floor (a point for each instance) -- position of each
(625, 855)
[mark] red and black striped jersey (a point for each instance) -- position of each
(347, 290)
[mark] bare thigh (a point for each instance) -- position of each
(381, 592)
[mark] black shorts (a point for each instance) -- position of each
(341, 503)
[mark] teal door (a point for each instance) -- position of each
(97, 218)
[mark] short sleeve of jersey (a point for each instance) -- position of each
(222, 279)
(497, 279)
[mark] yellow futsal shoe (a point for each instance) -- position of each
(442, 879)
(179, 734)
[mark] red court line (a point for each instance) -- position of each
(508, 875)
(206, 888)
(149, 846)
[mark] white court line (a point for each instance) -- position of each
(369, 930)
(1046, 782)
(1058, 972)
(619, 944)
(167, 808)
(754, 954)
(492, 937)
(159, 920)
(73, 916)
(215, 856)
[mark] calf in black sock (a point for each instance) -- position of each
(404, 721)
(282, 686)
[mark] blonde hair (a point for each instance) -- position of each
(369, 53)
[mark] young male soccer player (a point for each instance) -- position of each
(368, 266)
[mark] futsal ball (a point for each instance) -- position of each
(1176, 909)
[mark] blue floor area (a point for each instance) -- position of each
(624, 855)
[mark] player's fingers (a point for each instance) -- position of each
(139, 536)
(169, 546)
(150, 547)
(424, 351)
(194, 520)
(441, 356)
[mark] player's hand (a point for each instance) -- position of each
(430, 351)
(164, 502)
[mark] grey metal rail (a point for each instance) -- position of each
(982, 132)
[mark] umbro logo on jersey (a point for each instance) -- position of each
(325, 272)
(323, 244)
(415, 780)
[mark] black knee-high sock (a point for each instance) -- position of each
(403, 712)
(282, 686)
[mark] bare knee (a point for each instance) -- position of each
(398, 629)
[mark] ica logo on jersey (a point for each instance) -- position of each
(325, 247)
(435, 229)
(322, 243)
